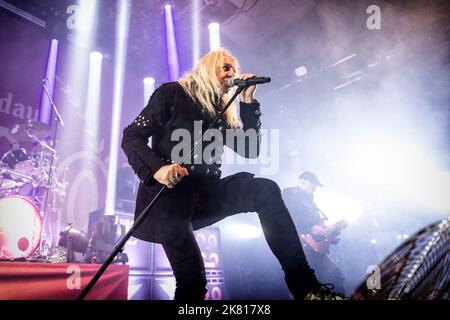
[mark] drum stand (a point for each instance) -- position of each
(45, 209)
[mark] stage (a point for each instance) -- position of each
(95, 94)
(60, 281)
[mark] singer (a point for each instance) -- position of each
(197, 195)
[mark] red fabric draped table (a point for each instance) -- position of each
(60, 281)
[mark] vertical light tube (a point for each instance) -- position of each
(48, 83)
(82, 38)
(122, 24)
(77, 60)
(214, 36)
(93, 101)
(196, 32)
(149, 87)
(172, 56)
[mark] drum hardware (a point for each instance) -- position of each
(43, 148)
(33, 179)
(15, 156)
(16, 174)
(7, 184)
(31, 131)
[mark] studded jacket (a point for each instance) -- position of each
(168, 109)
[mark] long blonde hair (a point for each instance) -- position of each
(202, 85)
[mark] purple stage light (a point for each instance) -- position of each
(172, 56)
(48, 83)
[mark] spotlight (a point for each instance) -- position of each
(214, 36)
(95, 55)
(214, 26)
(74, 240)
(301, 71)
(149, 81)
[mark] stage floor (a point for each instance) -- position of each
(60, 281)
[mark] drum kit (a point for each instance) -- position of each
(32, 192)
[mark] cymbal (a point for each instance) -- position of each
(31, 130)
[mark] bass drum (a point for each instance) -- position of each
(20, 227)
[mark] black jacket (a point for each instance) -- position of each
(168, 109)
(303, 210)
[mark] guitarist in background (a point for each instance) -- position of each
(315, 236)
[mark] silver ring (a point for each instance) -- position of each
(174, 181)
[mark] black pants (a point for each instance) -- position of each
(220, 199)
(325, 269)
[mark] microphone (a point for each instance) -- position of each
(246, 83)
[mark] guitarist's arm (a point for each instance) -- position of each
(337, 231)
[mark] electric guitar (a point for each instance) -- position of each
(321, 237)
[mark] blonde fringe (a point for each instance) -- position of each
(202, 85)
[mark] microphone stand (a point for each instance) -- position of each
(58, 118)
(52, 103)
(119, 247)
